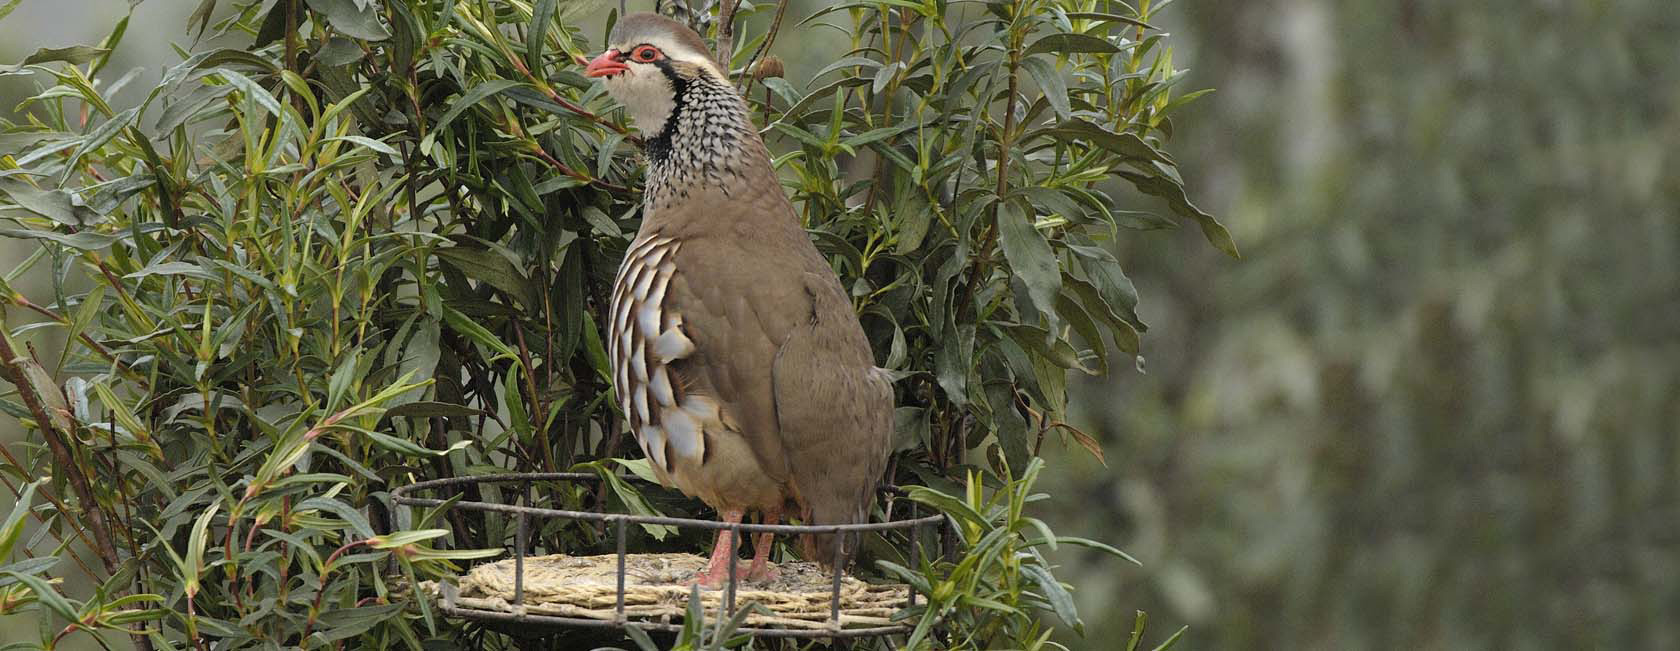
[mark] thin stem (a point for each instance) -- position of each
(726, 34)
(763, 48)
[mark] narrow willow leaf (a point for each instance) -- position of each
(345, 623)
(79, 322)
(410, 448)
(358, 522)
(492, 268)
(1109, 18)
(197, 541)
(74, 55)
(1060, 600)
(173, 269)
(97, 138)
(253, 90)
(1174, 194)
(1031, 258)
(370, 143)
(57, 205)
(355, 19)
(406, 538)
(47, 595)
(1126, 144)
(468, 99)
(1173, 639)
(465, 325)
(1070, 43)
(1050, 83)
(542, 14)
(13, 525)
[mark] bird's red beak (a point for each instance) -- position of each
(606, 65)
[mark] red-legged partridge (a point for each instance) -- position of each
(738, 360)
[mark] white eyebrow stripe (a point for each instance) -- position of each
(673, 50)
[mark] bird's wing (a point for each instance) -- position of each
(834, 408)
(736, 312)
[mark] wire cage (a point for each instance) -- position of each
(449, 601)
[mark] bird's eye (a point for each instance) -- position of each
(646, 54)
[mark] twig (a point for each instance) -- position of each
(981, 267)
(61, 452)
(46, 492)
(568, 105)
(21, 301)
(568, 171)
(726, 34)
(321, 591)
(764, 47)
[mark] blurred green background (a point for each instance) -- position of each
(1435, 406)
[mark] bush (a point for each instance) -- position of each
(369, 249)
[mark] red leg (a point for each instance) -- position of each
(760, 569)
(716, 573)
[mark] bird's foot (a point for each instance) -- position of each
(762, 573)
(716, 576)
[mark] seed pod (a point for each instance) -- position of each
(771, 66)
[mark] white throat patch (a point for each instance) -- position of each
(645, 92)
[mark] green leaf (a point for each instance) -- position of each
(467, 100)
(846, 62)
(30, 566)
(196, 544)
(355, 19)
(1128, 144)
(1174, 194)
(873, 135)
(1050, 82)
(1109, 18)
(252, 90)
(952, 363)
(74, 55)
(344, 623)
(491, 268)
(406, 537)
(173, 269)
(1060, 601)
(49, 597)
(542, 14)
(1070, 43)
(13, 525)
(427, 409)
(57, 205)
(358, 522)
(465, 325)
(97, 138)
(1087, 542)
(1031, 258)
(370, 143)
(627, 494)
(946, 504)
(339, 51)
(1172, 640)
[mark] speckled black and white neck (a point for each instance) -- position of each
(705, 140)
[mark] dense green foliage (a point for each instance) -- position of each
(1435, 405)
(369, 247)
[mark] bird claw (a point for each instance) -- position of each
(762, 574)
(713, 578)
(710, 580)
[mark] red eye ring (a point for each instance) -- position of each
(646, 54)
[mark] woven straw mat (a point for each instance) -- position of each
(656, 587)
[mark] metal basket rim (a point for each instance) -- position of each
(400, 496)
